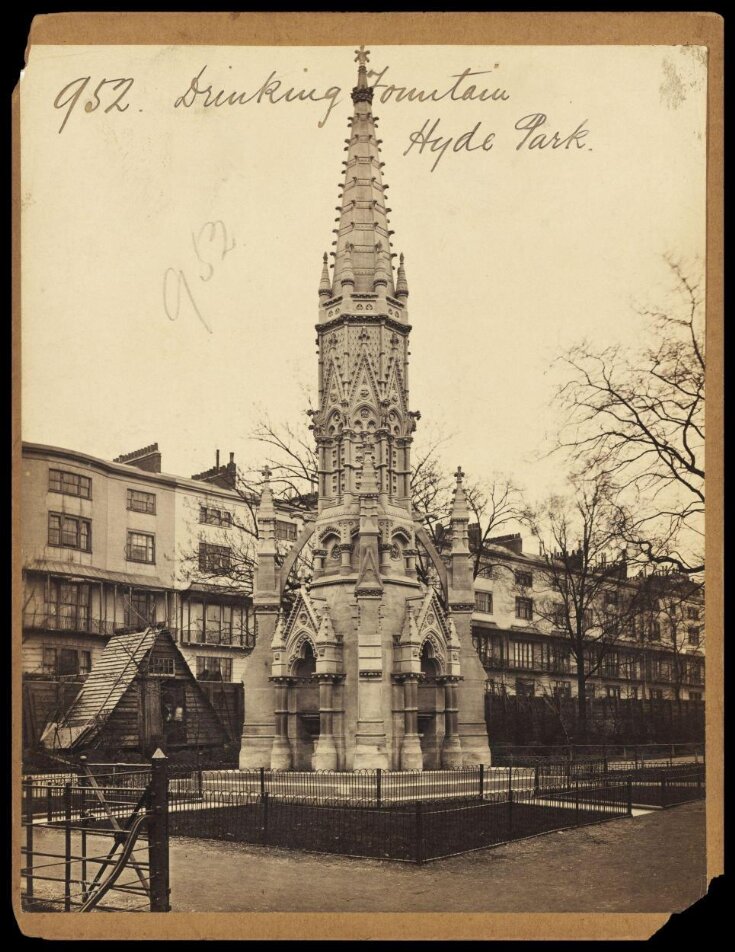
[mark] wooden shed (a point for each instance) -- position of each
(140, 695)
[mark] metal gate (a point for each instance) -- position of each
(97, 839)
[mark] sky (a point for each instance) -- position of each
(136, 328)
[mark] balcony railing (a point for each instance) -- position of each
(79, 624)
(234, 637)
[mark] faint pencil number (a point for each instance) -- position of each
(211, 244)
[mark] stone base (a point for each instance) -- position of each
(281, 757)
(370, 754)
(325, 754)
(451, 752)
(475, 749)
(412, 757)
(256, 751)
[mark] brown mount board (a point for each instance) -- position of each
(348, 29)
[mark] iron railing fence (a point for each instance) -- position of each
(513, 755)
(91, 844)
(414, 831)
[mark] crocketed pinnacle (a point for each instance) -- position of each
(460, 509)
(363, 236)
(401, 283)
(325, 285)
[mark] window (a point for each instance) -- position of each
(141, 547)
(68, 606)
(611, 599)
(139, 501)
(654, 631)
(524, 579)
(693, 634)
(589, 690)
(215, 517)
(633, 693)
(214, 669)
(286, 531)
(484, 602)
(612, 691)
(69, 532)
(214, 558)
(216, 624)
(524, 608)
(693, 613)
(141, 609)
(656, 694)
(65, 662)
(161, 664)
(69, 484)
(559, 617)
(525, 688)
(558, 658)
(695, 695)
(611, 665)
(523, 654)
(561, 689)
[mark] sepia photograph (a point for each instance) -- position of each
(360, 497)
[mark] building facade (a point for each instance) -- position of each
(110, 545)
(658, 651)
(368, 668)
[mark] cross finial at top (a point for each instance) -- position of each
(459, 474)
(361, 56)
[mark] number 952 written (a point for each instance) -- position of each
(108, 95)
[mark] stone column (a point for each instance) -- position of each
(411, 754)
(451, 746)
(325, 751)
(345, 552)
(281, 756)
(385, 566)
(258, 728)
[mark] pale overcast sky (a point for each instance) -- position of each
(511, 254)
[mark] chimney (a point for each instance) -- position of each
(147, 458)
(513, 541)
(223, 476)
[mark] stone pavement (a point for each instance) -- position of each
(650, 863)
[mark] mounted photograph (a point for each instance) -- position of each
(360, 508)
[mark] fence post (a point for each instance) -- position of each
(419, 832)
(158, 834)
(664, 792)
(262, 781)
(264, 814)
(82, 821)
(535, 780)
(576, 802)
(630, 797)
(49, 804)
(482, 781)
(28, 807)
(510, 814)
(378, 786)
(510, 782)
(67, 847)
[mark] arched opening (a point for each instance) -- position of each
(305, 724)
(431, 707)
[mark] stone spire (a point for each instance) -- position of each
(325, 283)
(363, 235)
(266, 579)
(401, 283)
(461, 576)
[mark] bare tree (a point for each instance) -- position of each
(638, 415)
(581, 595)
(494, 504)
(669, 606)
